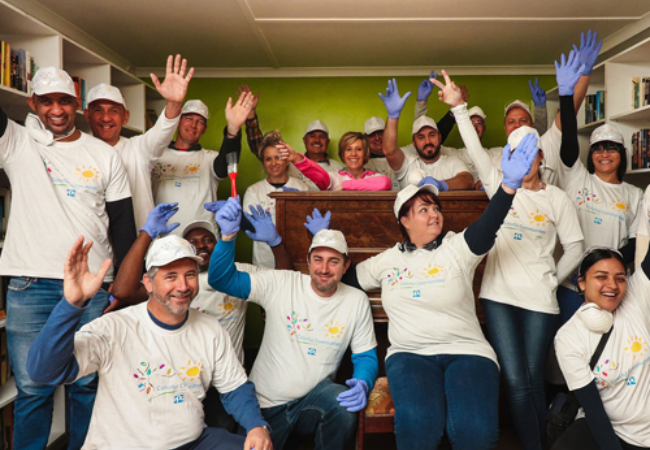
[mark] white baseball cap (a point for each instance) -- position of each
(408, 192)
(373, 124)
(333, 239)
(50, 80)
(105, 91)
(168, 249)
(517, 135)
(196, 107)
(200, 224)
(607, 132)
(423, 121)
(476, 111)
(518, 104)
(317, 125)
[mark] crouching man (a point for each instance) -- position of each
(155, 360)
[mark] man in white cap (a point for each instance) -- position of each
(64, 183)
(155, 360)
(310, 321)
(447, 172)
(107, 113)
(373, 128)
(189, 174)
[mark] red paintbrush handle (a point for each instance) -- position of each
(233, 184)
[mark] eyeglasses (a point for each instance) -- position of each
(609, 150)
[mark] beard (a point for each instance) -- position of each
(325, 288)
(166, 302)
(428, 151)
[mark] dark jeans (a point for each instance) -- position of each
(579, 437)
(459, 393)
(317, 412)
(215, 439)
(521, 339)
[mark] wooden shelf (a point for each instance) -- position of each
(638, 114)
(591, 126)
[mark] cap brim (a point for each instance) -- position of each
(166, 261)
(199, 224)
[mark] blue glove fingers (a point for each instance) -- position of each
(172, 226)
(433, 75)
(327, 217)
(316, 214)
(214, 206)
(443, 186)
(289, 189)
(250, 234)
(428, 180)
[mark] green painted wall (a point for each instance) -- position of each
(289, 104)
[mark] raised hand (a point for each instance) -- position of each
(79, 283)
(177, 78)
(517, 165)
(213, 207)
(241, 90)
(229, 216)
(236, 115)
(539, 94)
(568, 73)
(287, 153)
(588, 52)
(441, 185)
(156, 223)
(426, 87)
(355, 398)
(449, 92)
(264, 228)
(394, 103)
(317, 222)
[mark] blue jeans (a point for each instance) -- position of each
(215, 439)
(459, 393)
(29, 304)
(569, 301)
(317, 412)
(521, 339)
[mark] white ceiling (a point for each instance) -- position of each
(307, 34)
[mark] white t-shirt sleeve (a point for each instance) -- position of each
(566, 222)
(640, 218)
(363, 338)
(118, 183)
(368, 272)
(154, 142)
(403, 171)
(456, 166)
(10, 142)
(93, 348)
(264, 285)
(572, 356)
(228, 374)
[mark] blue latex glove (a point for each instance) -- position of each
(394, 103)
(426, 87)
(568, 73)
(213, 207)
(289, 189)
(156, 223)
(539, 94)
(228, 217)
(264, 228)
(317, 222)
(441, 185)
(588, 52)
(516, 166)
(355, 398)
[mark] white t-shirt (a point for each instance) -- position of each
(59, 192)
(139, 155)
(152, 380)
(381, 166)
(258, 194)
(331, 165)
(444, 168)
(428, 297)
(230, 311)
(643, 216)
(609, 214)
(305, 335)
(622, 374)
(463, 155)
(520, 269)
(186, 177)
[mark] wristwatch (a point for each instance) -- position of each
(267, 429)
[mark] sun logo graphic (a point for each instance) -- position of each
(619, 205)
(334, 330)
(87, 174)
(433, 270)
(145, 372)
(297, 324)
(538, 218)
(192, 169)
(192, 371)
(636, 347)
(227, 306)
(397, 275)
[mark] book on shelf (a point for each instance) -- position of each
(595, 107)
(16, 67)
(640, 144)
(640, 92)
(80, 89)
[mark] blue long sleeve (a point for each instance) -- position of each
(51, 358)
(243, 406)
(366, 367)
(223, 274)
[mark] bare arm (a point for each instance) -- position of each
(462, 181)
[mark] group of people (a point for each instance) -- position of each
(151, 250)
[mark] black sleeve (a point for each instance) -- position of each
(480, 235)
(645, 264)
(628, 251)
(228, 145)
(570, 149)
(121, 228)
(350, 276)
(445, 125)
(4, 120)
(599, 424)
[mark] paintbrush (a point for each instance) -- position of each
(232, 159)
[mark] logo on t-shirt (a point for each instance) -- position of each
(397, 276)
(586, 197)
(537, 218)
(155, 380)
(334, 330)
(605, 372)
(160, 170)
(192, 169)
(619, 206)
(636, 348)
(88, 174)
(433, 270)
(146, 376)
(297, 324)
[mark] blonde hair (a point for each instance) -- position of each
(351, 136)
(270, 139)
